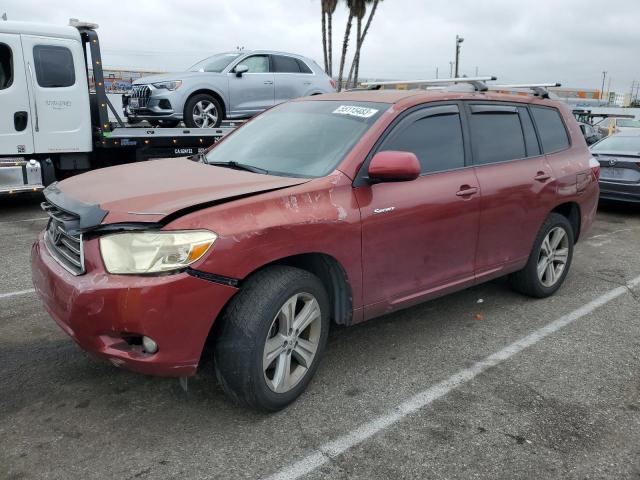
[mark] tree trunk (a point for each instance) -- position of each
(330, 46)
(345, 46)
(324, 40)
(355, 66)
(356, 55)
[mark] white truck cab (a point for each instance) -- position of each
(53, 122)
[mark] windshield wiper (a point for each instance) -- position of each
(239, 166)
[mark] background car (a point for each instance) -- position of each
(591, 135)
(611, 125)
(232, 85)
(619, 157)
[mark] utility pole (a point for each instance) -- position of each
(459, 40)
(477, 72)
(436, 73)
(4, 16)
(604, 75)
(450, 69)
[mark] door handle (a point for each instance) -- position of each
(542, 176)
(20, 120)
(466, 191)
(307, 83)
(268, 82)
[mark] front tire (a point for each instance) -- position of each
(202, 111)
(549, 260)
(272, 337)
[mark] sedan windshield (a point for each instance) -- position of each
(299, 139)
(618, 143)
(216, 64)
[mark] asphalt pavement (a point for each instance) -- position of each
(484, 383)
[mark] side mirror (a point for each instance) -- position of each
(240, 69)
(394, 167)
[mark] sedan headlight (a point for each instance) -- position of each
(171, 86)
(154, 252)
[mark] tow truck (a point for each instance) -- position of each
(54, 123)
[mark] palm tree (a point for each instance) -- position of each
(328, 9)
(355, 66)
(331, 8)
(345, 43)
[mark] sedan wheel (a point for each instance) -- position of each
(292, 342)
(553, 257)
(205, 114)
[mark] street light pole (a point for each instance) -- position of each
(450, 69)
(459, 40)
(604, 75)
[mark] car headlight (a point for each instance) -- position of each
(171, 86)
(154, 252)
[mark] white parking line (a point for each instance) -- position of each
(14, 294)
(340, 445)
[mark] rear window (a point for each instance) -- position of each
(284, 64)
(553, 134)
(6, 66)
(54, 66)
(303, 66)
(618, 143)
(496, 135)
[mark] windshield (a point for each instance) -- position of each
(629, 123)
(618, 144)
(299, 139)
(216, 64)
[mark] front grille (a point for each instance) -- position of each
(64, 245)
(142, 93)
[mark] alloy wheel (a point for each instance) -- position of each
(553, 256)
(205, 114)
(292, 342)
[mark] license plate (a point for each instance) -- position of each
(613, 173)
(134, 103)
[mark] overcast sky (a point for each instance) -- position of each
(571, 41)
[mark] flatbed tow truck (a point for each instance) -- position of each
(54, 124)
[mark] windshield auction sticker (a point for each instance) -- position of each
(354, 111)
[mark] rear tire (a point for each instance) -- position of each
(549, 260)
(271, 338)
(202, 111)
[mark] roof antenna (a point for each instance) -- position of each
(4, 16)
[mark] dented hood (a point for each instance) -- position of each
(156, 190)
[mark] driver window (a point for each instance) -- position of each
(6, 67)
(257, 63)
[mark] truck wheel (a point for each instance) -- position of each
(272, 336)
(202, 111)
(549, 260)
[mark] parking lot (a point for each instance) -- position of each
(429, 392)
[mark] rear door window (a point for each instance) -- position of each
(434, 135)
(553, 134)
(496, 134)
(6, 66)
(54, 66)
(530, 137)
(283, 64)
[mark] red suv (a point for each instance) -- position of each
(337, 208)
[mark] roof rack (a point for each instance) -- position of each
(539, 89)
(477, 82)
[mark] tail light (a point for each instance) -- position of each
(333, 83)
(594, 165)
